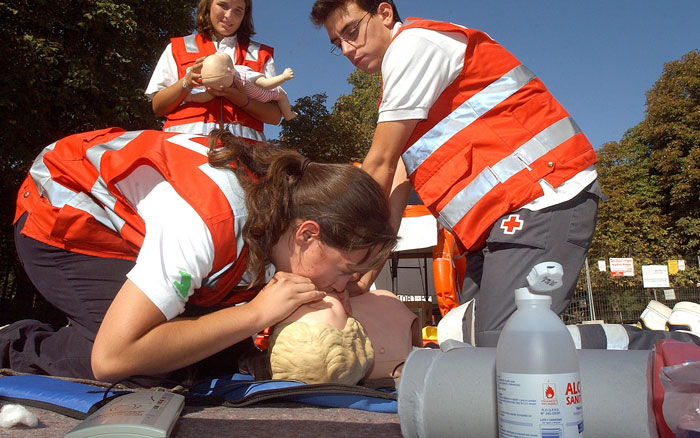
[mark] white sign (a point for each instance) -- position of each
(681, 265)
(669, 294)
(601, 265)
(655, 276)
(622, 267)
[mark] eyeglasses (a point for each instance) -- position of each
(349, 36)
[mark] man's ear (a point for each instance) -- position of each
(307, 232)
(387, 13)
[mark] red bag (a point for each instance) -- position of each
(668, 352)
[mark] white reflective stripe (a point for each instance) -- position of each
(201, 128)
(617, 337)
(231, 188)
(253, 51)
(465, 115)
(106, 217)
(228, 183)
(57, 194)
(543, 142)
(60, 196)
(185, 140)
(191, 44)
(575, 335)
(94, 153)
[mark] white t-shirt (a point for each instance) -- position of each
(417, 67)
(177, 251)
(165, 73)
(177, 241)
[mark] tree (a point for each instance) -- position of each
(341, 136)
(630, 220)
(356, 113)
(69, 67)
(652, 176)
(671, 131)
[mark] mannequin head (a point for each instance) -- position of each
(217, 71)
(320, 353)
(319, 343)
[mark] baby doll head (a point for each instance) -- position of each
(217, 71)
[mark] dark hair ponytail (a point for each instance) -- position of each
(281, 186)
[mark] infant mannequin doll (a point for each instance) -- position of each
(320, 343)
(218, 72)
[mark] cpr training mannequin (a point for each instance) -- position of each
(218, 72)
(320, 343)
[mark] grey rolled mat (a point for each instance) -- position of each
(452, 393)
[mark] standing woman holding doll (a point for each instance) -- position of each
(222, 26)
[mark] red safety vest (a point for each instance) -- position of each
(489, 139)
(200, 118)
(72, 201)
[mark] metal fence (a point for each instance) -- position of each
(602, 294)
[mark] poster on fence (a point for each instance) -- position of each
(655, 276)
(622, 267)
(601, 265)
(673, 267)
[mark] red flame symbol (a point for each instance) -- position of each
(549, 392)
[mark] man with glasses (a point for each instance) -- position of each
(490, 152)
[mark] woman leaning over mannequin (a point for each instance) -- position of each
(222, 26)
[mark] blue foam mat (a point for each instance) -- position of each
(78, 400)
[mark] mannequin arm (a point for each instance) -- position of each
(275, 81)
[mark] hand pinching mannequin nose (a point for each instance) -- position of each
(218, 72)
(320, 343)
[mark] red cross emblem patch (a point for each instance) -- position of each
(512, 224)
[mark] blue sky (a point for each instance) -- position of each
(597, 57)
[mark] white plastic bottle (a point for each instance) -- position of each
(538, 383)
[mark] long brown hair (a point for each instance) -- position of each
(281, 186)
(204, 26)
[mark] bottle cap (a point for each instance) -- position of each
(545, 277)
(524, 293)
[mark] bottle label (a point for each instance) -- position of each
(539, 405)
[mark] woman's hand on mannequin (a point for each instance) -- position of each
(283, 295)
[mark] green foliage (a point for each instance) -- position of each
(73, 66)
(630, 220)
(672, 133)
(341, 136)
(652, 176)
(651, 179)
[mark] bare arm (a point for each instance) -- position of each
(382, 159)
(135, 337)
(383, 162)
(275, 81)
(168, 99)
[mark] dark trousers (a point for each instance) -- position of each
(82, 287)
(561, 233)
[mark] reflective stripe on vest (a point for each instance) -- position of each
(103, 212)
(191, 44)
(464, 115)
(200, 128)
(539, 145)
(253, 51)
